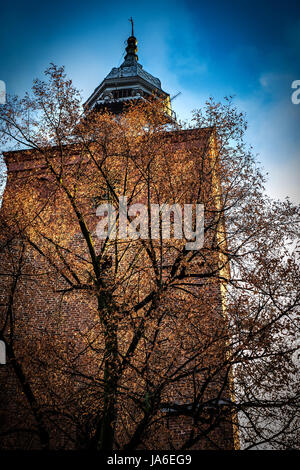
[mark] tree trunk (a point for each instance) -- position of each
(108, 422)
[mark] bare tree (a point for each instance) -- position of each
(124, 340)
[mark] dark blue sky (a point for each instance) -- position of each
(216, 48)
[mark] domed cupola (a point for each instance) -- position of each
(127, 82)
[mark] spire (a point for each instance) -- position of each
(131, 21)
(128, 82)
(131, 57)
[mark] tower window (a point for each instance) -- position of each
(123, 93)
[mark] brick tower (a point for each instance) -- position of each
(115, 345)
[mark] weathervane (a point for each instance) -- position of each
(131, 21)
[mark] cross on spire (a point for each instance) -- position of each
(131, 21)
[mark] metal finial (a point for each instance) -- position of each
(131, 21)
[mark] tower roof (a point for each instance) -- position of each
(127, 82)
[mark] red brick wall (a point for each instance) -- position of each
(52, 328)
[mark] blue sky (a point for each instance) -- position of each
(202, 49)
